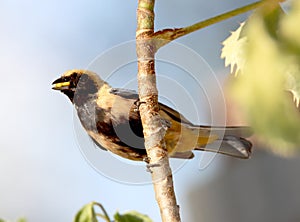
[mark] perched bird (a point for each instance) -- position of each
(111, 118)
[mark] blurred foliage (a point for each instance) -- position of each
(131, 216)
(264, 53)
(88, 214)
(19, 220)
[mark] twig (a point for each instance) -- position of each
(154, 128)
(105, 216)
(165, 36)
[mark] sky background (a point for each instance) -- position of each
(44, 173)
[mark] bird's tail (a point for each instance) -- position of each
(227, 140)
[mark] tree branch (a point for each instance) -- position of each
(165, 36)
(154, 127)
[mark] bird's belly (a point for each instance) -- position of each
(118, 147)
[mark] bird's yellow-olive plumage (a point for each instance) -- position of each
(111, 118)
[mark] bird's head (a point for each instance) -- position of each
(78, 85)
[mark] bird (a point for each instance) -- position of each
(111, 118)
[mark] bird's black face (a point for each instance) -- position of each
(67, 84)
(76, 85)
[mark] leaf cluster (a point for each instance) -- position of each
(88, 214)
(264, 54)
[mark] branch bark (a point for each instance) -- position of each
(154, 127)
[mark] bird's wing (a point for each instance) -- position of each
(125, 93)
(132, 94)
(126, 103)
(183, 155)
(176, 116)
(238, 131)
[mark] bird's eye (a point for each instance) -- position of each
(65, 79)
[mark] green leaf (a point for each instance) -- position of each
(290, 35)
(261, 88)
(289, 26)
(270, 13)
(1, 220)
(293, 80)
(234, 47)
(131, 216)
(86, 214)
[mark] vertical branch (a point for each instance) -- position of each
(154, 127)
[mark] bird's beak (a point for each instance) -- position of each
(59, 84)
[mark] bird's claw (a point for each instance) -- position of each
(150, 165)
(137, 104)
(166, 123)
(146, 160)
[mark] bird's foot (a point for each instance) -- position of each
(137, 104)
(150, 165)
(146, 159)
(166, 123)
